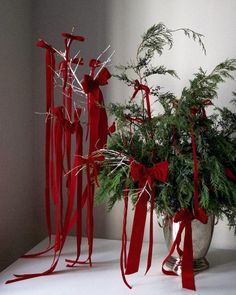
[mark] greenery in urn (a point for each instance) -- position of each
(167, 135)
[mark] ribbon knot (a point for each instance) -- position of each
(70, 127)
(137, 87)
(143, 174)
(94, 161)
(185, 217)
(59, 113)
(90, 84)
(97, 117)
(72, 37)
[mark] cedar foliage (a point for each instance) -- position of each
(168, 135)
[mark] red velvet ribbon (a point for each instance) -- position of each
(68, 39)
(97, 117)
(138, 86)
(62, 228)
(91, 161)
(229, 173)
(123, 254)
(143, 176)
(112, 128)
(185, 217)
(98, 131)
(49, 69)
(132, 119)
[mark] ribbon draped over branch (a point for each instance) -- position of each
(139, 87)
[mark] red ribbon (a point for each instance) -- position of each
(143, 176)
(62, 228)
(138, 86)
(63, 66)
(123, 254)
(185, 217)
(97, 120)
(91, 161)
(49, 68)
(229, 173)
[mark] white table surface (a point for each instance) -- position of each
(105, 278)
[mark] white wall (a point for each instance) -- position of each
(20, 226)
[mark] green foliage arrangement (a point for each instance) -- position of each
(167, 136)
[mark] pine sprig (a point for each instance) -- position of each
(160, 70)
(155, 39)
(194, 35)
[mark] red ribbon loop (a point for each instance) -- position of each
(41, 43)
(73, 37)
(94, 63)
(78, 61)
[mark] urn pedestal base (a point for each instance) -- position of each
(199, 265)
(201, 239)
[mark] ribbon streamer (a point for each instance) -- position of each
(144, 176)
(185, 217)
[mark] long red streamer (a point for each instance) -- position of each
(145, 177)
(185, 217)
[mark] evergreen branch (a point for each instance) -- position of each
(160, 70)
(194, 35)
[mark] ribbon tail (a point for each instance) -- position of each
(78, 218)
(148, 104)
(123, 261)
(50, 66)
(150, 250)
(136, 240)
(38, 253)
(187, 261)
(176, 243)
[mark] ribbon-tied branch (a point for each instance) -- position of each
(137, 87)
(97, 118)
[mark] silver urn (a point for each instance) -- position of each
(201, 236)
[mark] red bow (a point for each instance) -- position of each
(137, 87)
(185, 217)
(143, 175)
(97, 120)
